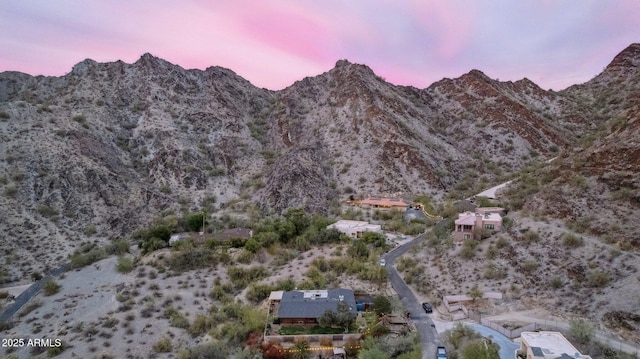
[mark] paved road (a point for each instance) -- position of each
(29, 293)
(423, 323)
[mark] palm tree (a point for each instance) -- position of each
(301, 348)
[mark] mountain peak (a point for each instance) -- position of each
(346, 65)
(629, 57)
(83, 67)
(148, 60)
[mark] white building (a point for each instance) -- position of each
(355, 229)
(547, 345)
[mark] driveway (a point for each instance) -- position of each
(423, 323)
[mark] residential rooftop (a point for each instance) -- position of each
(550, 345)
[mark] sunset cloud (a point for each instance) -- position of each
(274, 43)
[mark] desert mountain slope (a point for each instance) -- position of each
(596, 185)
(96, 153)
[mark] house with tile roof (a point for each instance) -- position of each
(473, 224)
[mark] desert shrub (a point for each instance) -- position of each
(492, 271)
(193, 258)
(214, 350)
(245, 256)
(80, 259)
(163, 345)
(478, 349)
(529, 265)
(598, 278)
(581, 330)
(118, 247)
(47, 210)
(176, 319)
(222, 293)
(468, 250)
(259, 292)
(571, 240)
(252, 245)
(358, 249)
(201, 325)
(6, 325)
(492, 252)
(241, 277)
(10, 191)
(30, 308)
(502, 242)
(124, 265)
(458, 334)
(53, 351)
(556, 283)
(51, 287)
(90, 230)
(531, 236)
(154, 238)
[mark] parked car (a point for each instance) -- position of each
(441, 353)
(383, 262)
(427, 307)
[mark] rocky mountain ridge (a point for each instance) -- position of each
(96, 153)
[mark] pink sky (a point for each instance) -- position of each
(275, 43)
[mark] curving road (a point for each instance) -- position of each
(29, 293)
(423, 323)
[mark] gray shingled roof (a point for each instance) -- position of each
(294, 305)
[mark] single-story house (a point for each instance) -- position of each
(547, 345)
(470, 224)
(384, 203)
(355, 229)
(307, 306)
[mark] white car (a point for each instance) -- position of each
(383, 262)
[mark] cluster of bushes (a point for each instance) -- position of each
(464, 342)
(402, 347)
(296, 230)
(529, 182)
(89, 253)
(414, 274)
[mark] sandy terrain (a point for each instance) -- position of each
(99, 311)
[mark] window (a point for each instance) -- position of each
(489, 226)
(467, 236)
(467, 227)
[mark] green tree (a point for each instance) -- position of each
(196, 221)
(358, 249)
(381, 305)
(377, 239)
(252, 245)
(480, 349)
(342, 317)
(298, 218)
